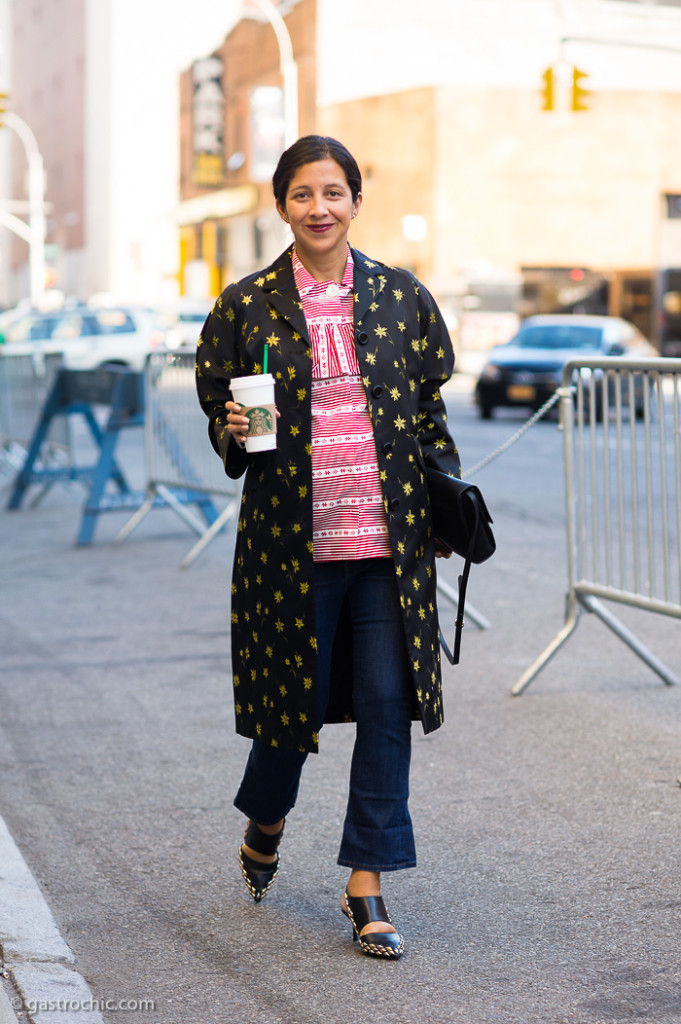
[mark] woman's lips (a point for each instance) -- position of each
(319, 228)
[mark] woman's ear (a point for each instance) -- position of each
(281, 211)
(356, 205)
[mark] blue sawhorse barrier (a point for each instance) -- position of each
(76, 392)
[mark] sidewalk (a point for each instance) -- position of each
(547, 825)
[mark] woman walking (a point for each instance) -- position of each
(334, 613)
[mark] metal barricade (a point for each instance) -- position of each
(25, 380)
(178, 454)
(621, 422)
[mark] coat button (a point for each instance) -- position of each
(362, 338)
(377, 391)
(387, 447)
(394, 504)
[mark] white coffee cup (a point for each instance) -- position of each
(255, 394)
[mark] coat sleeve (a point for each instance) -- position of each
(432, 432)
(217, 361)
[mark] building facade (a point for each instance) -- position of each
(96, 81)
(160, 130)
(228, 225)
(499, 204)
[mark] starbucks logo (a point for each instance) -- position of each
(261, 421)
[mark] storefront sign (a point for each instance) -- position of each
(208, 118)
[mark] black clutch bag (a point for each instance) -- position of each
(461, 524)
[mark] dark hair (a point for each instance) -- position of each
(308, 150)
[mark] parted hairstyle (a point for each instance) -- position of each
(307, 150)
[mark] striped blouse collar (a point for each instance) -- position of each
(306, 284)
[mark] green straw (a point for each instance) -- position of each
(264, 362)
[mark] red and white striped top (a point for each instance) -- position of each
(348, 516)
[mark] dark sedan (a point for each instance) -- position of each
(527, 370)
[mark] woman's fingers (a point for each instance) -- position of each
(237, 423)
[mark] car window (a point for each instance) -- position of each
(114, 321)
(557, 336)
(192, 318)
(30, 328)
(73, 325)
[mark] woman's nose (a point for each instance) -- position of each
(318, 205)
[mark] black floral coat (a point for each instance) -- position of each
(405, 355)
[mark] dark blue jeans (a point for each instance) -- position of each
(377, 833)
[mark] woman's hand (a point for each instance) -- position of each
(237, 423)
(442, 552)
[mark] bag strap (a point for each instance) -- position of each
(459, 623)
(453, 659)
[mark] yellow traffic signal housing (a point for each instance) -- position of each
(547, 91)
(579, 94)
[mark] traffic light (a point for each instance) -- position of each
(4, 97)
(579, 94)
(547, 91)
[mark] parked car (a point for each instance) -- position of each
(183, 324)
(526, 370)
(87, 338)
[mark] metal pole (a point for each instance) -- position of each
(36, 205)
(289, 69)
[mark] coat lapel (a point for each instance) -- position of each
(278, 284)
(368, 285)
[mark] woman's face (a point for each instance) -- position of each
(319, 207)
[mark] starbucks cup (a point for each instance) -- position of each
(255, 395)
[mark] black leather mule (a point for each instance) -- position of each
(259, 877)
(364, 909)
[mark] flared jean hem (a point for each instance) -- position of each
(374, 867)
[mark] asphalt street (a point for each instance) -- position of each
(547, 825)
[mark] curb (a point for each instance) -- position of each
(38, 962)
(7, 1014)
